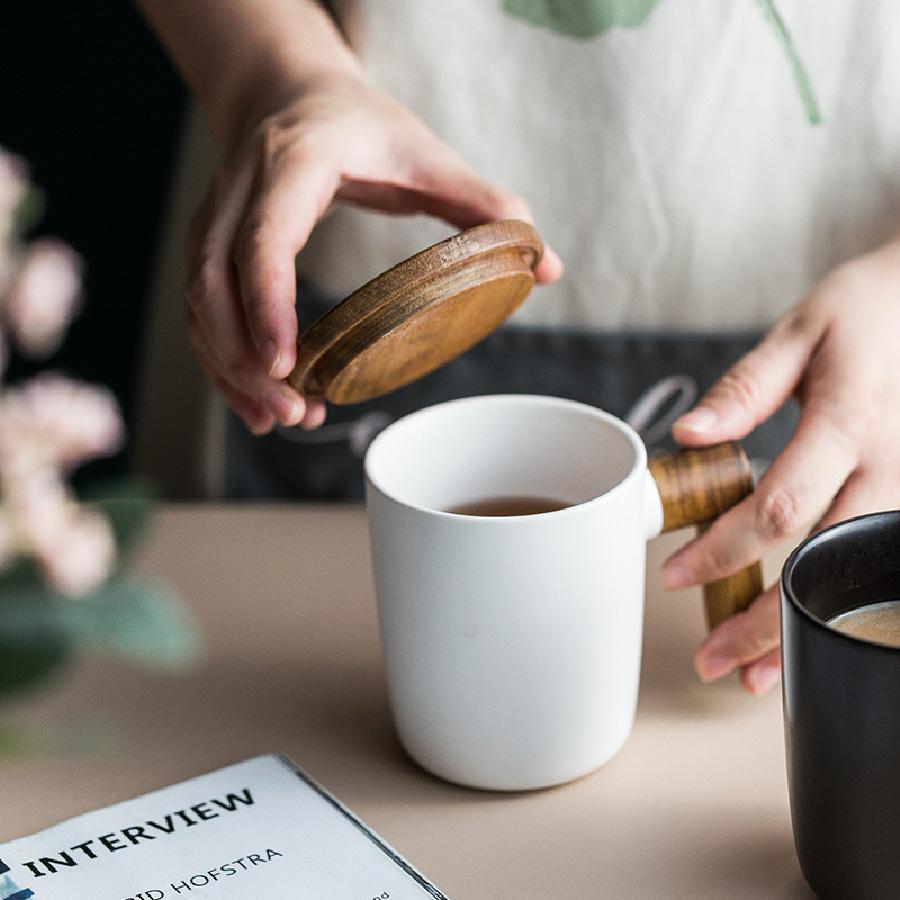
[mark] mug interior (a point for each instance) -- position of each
(852, 564)
(503, 446)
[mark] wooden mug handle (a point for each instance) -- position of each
(696, 486)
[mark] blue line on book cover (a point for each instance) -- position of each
(9, 890)
(7, 885)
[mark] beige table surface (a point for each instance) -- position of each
(695, 806)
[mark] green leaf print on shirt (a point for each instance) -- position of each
(581, 18)
(585, 19)
(801, 76)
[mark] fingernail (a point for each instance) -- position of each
(550, 267)
(699, 420)
(711, 668)
(272, 357)
(314, 417)
(675, 575)
(285, 406)
(257, 427)
(554, 257)
(761, 679)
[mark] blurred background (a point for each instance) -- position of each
(92, 103)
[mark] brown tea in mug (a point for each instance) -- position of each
(508, 506)
(877, 622)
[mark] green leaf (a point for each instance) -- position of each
(31, 655)
(128, 505)
(30, 210)
(26, 663)
(139, 621)
(135, 620)
(21, 574)
(581, 18)
(801, 76)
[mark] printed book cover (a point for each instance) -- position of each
(260, 829)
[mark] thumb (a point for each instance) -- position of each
(453, 192)
(752, 389)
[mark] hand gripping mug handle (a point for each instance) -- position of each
(695, 487)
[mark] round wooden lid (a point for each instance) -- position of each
(418, 315)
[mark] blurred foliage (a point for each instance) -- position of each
(30, 211)
(134, 619)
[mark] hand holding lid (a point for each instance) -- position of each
(418, 315)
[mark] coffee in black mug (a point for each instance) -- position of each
(842, 710)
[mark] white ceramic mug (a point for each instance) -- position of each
(512, 644)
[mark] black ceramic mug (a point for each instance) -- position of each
(842, 711)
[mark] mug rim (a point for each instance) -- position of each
(820, 537)
(639, 461)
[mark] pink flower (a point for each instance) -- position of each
(42, 296)
(82, 555)
(54, 420)
(74, 545)
(46, 425)
(51, 423)
(39, 508)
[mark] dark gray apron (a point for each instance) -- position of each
(645, 378)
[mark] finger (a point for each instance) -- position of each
(234, 362)
(440, 184)
(754, 388)
(216, 321)
(216, 325)
(761, 676)
(258, 420)
(286, 204)
(742, 639)
(797, 489)
(211, 232)
(459, 196)
(485, 208)
(315, 415)
(865, 491)
(394, 199)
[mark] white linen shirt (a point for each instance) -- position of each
(672, 166)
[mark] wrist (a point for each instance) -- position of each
(237, 54)
(235, 109)
(272, 64)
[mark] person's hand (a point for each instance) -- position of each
(837, 352)
(333, 138)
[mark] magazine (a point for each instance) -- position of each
(260, 829)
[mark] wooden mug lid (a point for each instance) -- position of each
(418, 315)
